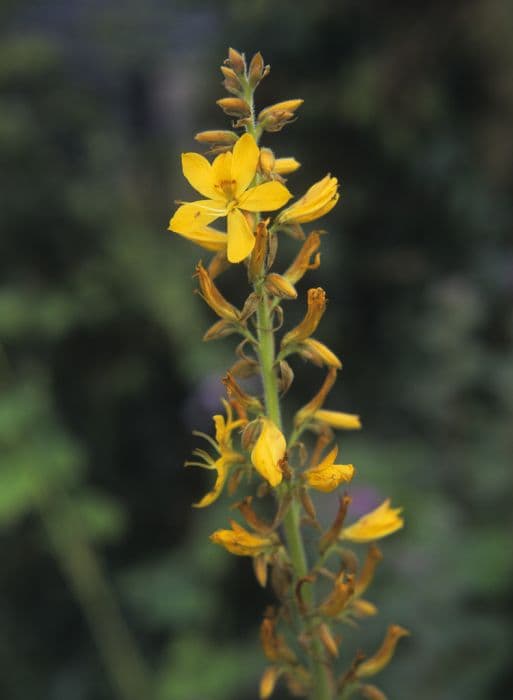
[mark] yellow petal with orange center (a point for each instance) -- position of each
(266, 197)
(241, 240)
(244, 162)
(198, 171)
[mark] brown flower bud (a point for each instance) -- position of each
(374, 556)
(319, 354)
(250, 434)
(266, 161)
(275, 111)
(327, 639)
(234, 107)
(231, 81)
(236, 392)
(384, 654)
(286, 377)
(371, 692)
(280, 286)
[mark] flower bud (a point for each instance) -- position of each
(274, 111)
(237, 393)
(259, 252)
(236, 61)
(268, 681)
(266, 161)
(327, 639)
(279, 286)
(257, 70)
(366, 575)
(225, 137)
(220, 329)
(336, 419)
(231, 81)
(285, 166)
(370, 692)
(234, 107)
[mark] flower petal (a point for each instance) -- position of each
(244, 162)
(211, 496)
(207, 238)
(222, 172)
(195, 215)
(266, 197)
(241, 240)
(198, 171)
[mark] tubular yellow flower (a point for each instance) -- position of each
(384, 654)
(316, 307)
(327, 475)
(226, 184)
(336, 419)
(318, 200)
(380, 522)
(268, 452)
(241, 542)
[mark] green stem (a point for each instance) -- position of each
(292, 526)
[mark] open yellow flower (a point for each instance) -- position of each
(240, 541)
(327, 476)
(380, 522)
(226, 184)
(227, 455)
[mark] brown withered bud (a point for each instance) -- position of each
(257, 70)
(382, 657)
(266, 162)
(274, 645)
(243, 369)
(236, 392)
(250, 306)
(236, 61)
(328, 641)
(252, 519)
(234, 481)
(231, 82)
(263, 489)
(303, 260)
(371, 692)
(220, 329)
(234, 107)
(331, 535)
(316, 306)
(272, 250)
(250, 434)
(280, 286)
(318, 353)
(308, 504)
(218, 136)
(286, 377)
(213, 297)
(259, 252)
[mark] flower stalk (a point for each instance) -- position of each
(317, 592)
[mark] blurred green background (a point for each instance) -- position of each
(109, 588)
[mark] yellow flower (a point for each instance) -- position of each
(227, 456)
(240, 541)
(318, 200)
(380, 522)
(226, 184)
(336, 419)
(382, 657)
(327, 475)
(268, 452)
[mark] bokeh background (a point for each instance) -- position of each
(109, 588)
